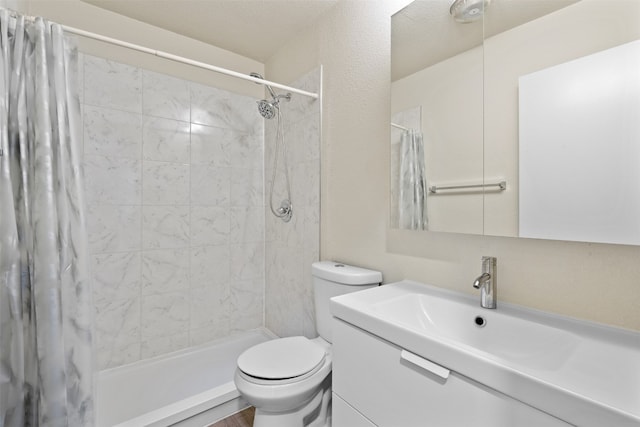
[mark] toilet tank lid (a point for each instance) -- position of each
(346, 274)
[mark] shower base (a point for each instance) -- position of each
(191, 387)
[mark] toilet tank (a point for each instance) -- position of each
(331, 279)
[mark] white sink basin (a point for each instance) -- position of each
(491, 331)
(583, 373)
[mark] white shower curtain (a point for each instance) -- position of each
(45, 311)
(413, 186)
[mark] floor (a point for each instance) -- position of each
(241, 419)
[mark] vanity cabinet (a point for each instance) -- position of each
(347, 415)
(377, 383)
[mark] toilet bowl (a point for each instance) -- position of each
(286, 395)
(288, 380)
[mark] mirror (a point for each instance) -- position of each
(537, 116)
(436, 91)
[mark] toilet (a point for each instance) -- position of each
(288, 380)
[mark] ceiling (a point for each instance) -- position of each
(424, 33)
(252, 28)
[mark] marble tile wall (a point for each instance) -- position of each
(292, 247)
(174, 177)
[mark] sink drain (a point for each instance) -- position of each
(480, 321)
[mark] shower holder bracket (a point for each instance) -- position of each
(285, 211)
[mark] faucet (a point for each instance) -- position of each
(486, 282)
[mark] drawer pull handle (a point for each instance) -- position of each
(425, 364)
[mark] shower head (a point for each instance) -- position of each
(267, 109)
(465, 11)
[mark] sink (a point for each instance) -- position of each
(491, 331)
(584, 373)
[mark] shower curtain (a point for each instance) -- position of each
(45, 312)
(413, 185)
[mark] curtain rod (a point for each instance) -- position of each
(183, 60)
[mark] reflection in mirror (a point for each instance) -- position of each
(437, 93)
(411, 184)
(558, 122)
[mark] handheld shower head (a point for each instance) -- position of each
(267, 109)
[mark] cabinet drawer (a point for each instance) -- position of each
(344, 415)
(372, 376)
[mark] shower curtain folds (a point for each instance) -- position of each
(45, 311)
(413, 184)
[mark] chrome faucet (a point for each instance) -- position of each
(486, 282)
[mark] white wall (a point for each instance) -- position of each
(590, 281)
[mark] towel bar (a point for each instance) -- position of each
(502, 185)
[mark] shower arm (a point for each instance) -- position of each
(271, 91)
(275, 97)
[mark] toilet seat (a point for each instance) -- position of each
(282, 360)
